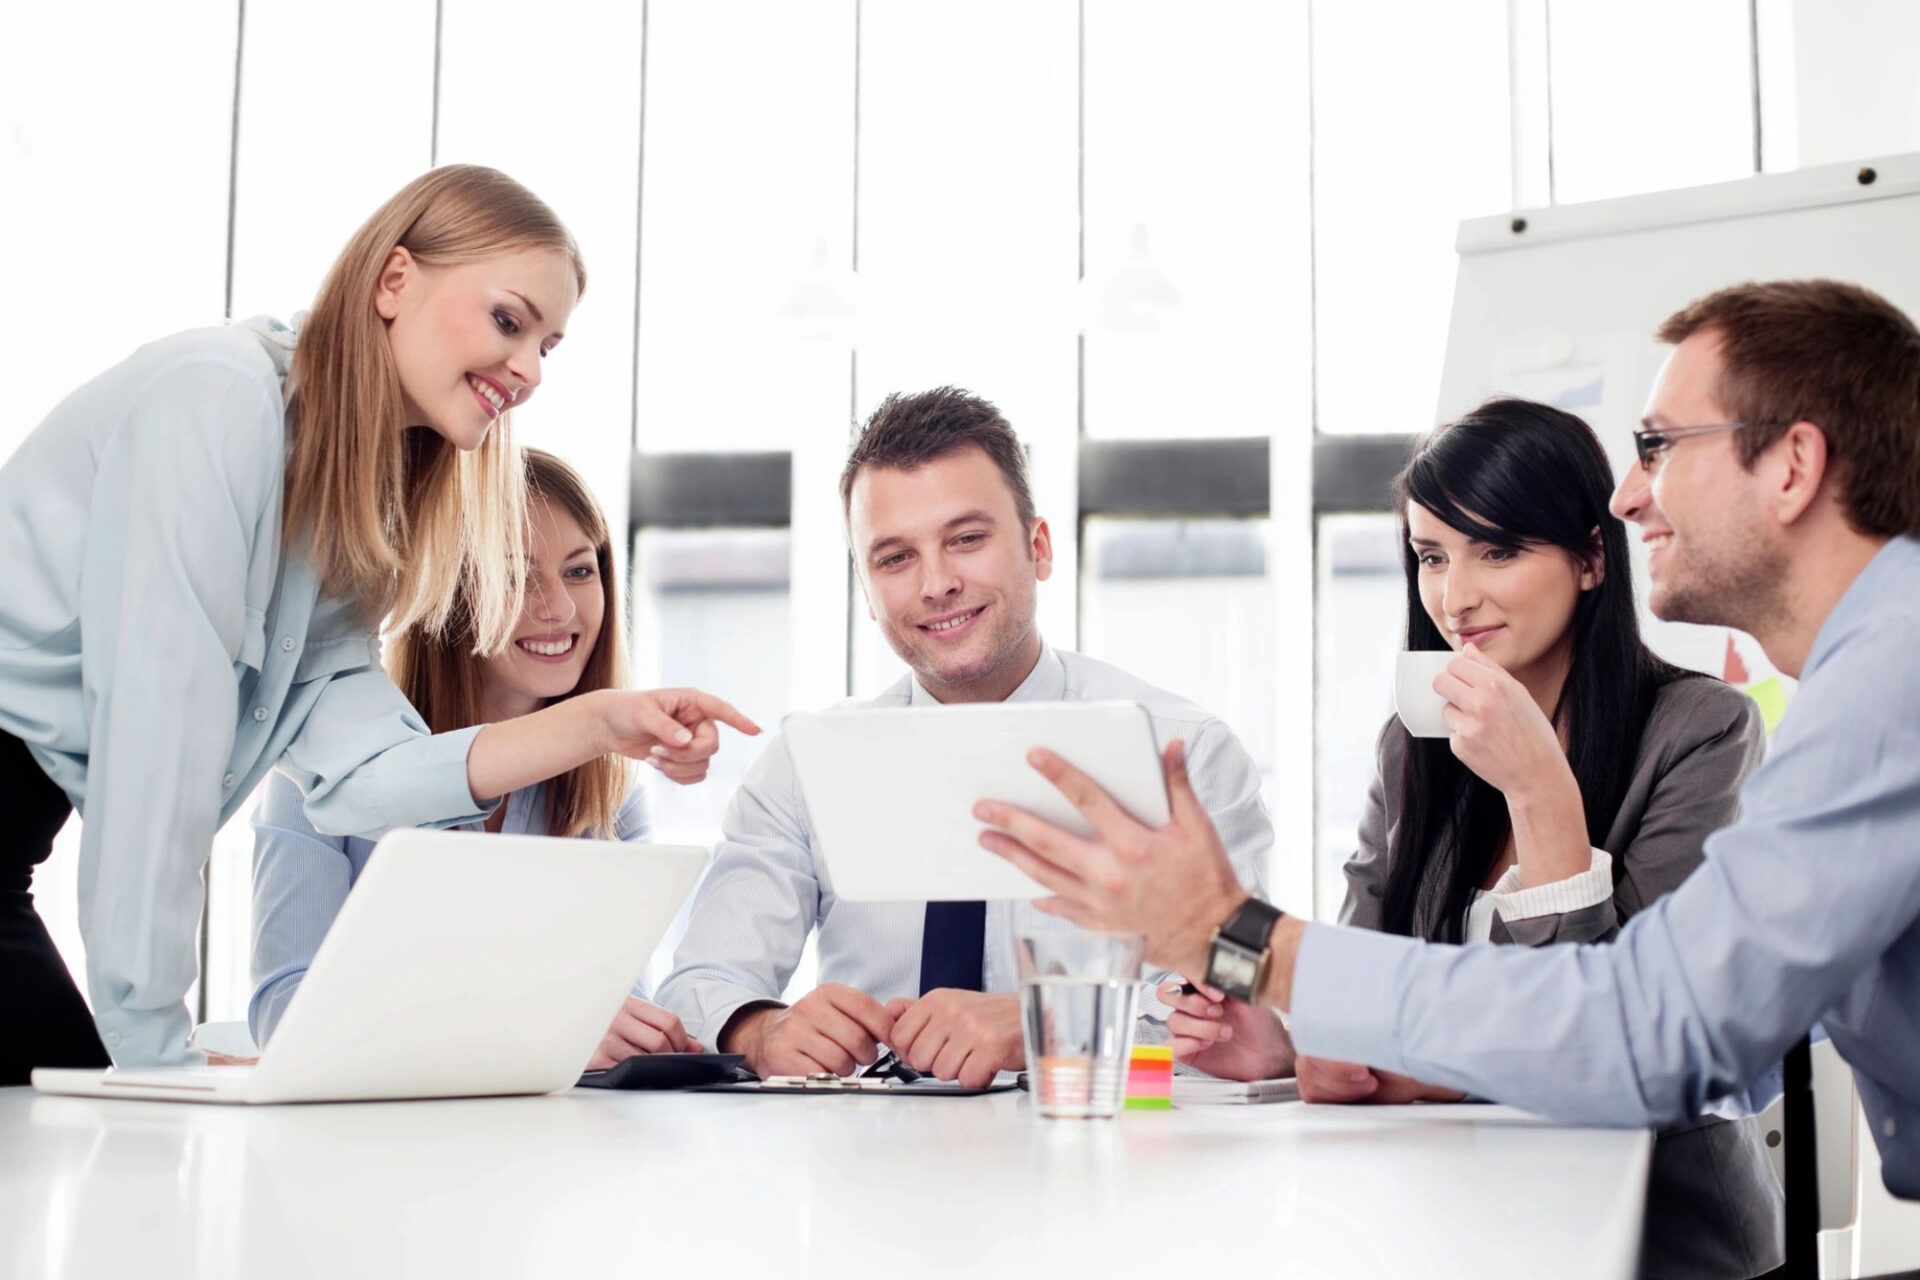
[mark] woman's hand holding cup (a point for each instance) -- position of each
(1496, 728)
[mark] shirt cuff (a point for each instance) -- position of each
(1150, 1005)
(148, 1037)
(1346, 994)
(442, 779)
(714, 1024)
(269, 1004)
(1589, 888)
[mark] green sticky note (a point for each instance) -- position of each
(1771, 697)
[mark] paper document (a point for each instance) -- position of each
(1206, 1090)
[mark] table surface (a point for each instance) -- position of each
(593, 1183)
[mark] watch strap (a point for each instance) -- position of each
(1251, 924)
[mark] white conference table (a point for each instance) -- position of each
(590, 1183)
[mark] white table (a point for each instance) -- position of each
(590, 1184)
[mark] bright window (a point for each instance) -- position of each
(1408, 97)
(1649, 95)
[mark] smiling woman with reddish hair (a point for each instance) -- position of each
(566, 644)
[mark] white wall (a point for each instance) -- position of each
(1856, 65)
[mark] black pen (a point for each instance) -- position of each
(889, 1065)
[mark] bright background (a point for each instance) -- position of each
(958, 169)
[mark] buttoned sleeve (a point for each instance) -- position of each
(300, 881)
(180, 503)
(752, 913)
(366, 763)
(1706, 988)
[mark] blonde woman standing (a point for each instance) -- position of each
(199, 545)
(566, 644)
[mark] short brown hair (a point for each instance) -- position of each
(908, 431)
(1833, 354)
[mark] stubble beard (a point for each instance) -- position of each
(1720, 586)
(1007, 638)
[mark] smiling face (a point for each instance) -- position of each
(1713, 558)
(1515, 604)
(950, 572)
(469, 338)
(559, 623)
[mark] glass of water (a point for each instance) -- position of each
(1078, 992)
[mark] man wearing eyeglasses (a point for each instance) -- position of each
(1778, 493)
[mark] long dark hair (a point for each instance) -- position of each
(1517, 474)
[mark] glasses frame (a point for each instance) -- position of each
(1650, 444)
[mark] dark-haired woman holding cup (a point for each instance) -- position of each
(1564, 779)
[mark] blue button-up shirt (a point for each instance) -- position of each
(1806, 908)
(158, 655)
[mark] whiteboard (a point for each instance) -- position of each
(1563, 310)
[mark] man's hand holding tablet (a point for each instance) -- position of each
(1170, 880)
(891, 793)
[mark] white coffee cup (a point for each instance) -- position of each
(1419, 707)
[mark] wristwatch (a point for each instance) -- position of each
(1238, 958)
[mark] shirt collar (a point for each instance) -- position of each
(276, 339)
(1892, 566)
(1047, 682)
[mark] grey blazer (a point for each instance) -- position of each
(1713, 1204)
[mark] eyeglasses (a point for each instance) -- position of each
(1651, 444)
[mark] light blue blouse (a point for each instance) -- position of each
(158, 655)
(301, 879)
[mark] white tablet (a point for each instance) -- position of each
(891, 790)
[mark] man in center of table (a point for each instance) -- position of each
(949, 552)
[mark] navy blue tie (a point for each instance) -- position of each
(952, 944)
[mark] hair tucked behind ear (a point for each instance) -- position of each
(400, 520)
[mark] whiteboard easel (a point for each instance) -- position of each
(1560, 304)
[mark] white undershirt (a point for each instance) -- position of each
(1589, 888)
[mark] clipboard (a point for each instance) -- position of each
(864, 1086)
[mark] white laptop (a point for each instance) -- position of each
(891, 790)
(462, 965)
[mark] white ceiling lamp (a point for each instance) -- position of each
(1136, 297)
(822, 304)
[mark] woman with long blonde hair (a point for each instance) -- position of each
(566, 643)
(200, 544)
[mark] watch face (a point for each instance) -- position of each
(1233, 968)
